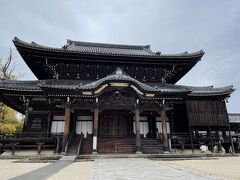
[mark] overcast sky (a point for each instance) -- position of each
(168, 26)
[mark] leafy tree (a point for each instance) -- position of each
(7, 128)
(8, 117)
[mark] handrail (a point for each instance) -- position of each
(68, 142)
(80, 144)
(25, 137)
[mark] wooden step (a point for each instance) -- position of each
(121, 145)
(116, 145)
(86, 146)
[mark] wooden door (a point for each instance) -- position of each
(113, 124)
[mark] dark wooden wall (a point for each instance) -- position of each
(207, 113)
(179, 122)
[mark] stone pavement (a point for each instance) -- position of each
(10, 169)
(47, 171)
(111, 169)
(139, 169)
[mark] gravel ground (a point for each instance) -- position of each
(77, 170)
(223, 167)
(9, 169)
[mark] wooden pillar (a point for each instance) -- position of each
(230, 135)
(58, 150)
(219, 141)
(95, 129)
(211, 140)
(154, 121)
(171, 122)
(137, 128)
(191, 137)
(13, 148)
(26, 120)
(150, 132)
(26, 117)
(66, 126)
(49, 122)
(164, 128)
(224, 133)
(39, 147)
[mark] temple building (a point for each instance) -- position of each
(112, 98)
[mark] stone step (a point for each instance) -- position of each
(152, 149)
(68, 158)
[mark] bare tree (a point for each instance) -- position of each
(7, 67)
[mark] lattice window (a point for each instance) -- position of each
(36, 123)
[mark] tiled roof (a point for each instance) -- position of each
(117, 76)
(108, 49)
(234, 118)
(100, 48)
(196, 91)
(210, 91)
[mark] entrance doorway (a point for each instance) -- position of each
(115, 124)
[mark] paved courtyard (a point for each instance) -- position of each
(123, 168)
(9, 169)
(139, 169)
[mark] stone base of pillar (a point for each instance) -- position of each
(94, 152)
(138, 150)
(166, 152)
(94, 145)
(166, 149)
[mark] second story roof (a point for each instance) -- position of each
(93, 61)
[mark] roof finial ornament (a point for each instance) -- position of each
(163, 80)
(119, 70)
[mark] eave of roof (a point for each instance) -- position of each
(16, 85)
(211, 91)
(197, 91)
(118, 76)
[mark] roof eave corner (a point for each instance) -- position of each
(15, 39)
(69, 41)
(201, 53)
